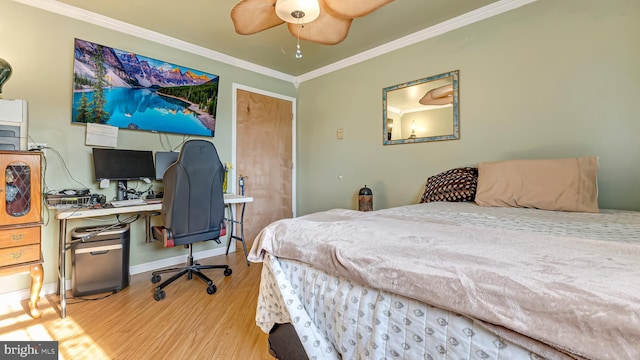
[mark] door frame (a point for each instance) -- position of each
(235, 87)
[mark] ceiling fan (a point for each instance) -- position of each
(442, 95)
(321, 21)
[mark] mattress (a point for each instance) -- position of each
(557, 284)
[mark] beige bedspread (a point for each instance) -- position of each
(569, 280)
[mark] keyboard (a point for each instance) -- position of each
(131, 202)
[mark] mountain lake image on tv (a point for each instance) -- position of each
(130, 91)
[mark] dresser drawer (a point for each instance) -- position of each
(19, 236)
(19, 255)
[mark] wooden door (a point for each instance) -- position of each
(264, 153)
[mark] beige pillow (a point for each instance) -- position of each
(561, 184)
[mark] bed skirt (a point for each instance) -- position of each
(338, 319)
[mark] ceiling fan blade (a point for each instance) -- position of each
(442, 95)
(252, 16)
(352, 8)
(326, 29)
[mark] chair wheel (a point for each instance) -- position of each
(155, 278)
(159, 295)
(211, 289)
(227, 271)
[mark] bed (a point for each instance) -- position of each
(457, 280)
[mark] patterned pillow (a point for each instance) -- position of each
(452, 185)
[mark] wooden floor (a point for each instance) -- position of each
(187, 324)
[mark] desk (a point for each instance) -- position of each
(63, 215)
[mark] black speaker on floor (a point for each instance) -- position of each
(99, 259)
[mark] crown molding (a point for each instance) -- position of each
(126, 28)
(471, 17)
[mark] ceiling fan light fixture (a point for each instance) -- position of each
(298, 11)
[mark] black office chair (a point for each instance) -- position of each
(192, 209)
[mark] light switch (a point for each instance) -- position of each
(340, 134)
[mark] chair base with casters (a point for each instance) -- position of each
(192, 268)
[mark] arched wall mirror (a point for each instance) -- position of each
(421, 110)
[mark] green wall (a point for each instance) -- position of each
(552, 79)
(39, 46)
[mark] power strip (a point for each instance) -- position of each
(36, 147)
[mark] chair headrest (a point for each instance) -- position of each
(198, 153)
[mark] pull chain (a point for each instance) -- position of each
(298, 51)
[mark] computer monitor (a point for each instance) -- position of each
(163, 160)
(123, 165)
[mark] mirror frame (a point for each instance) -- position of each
(456, 118)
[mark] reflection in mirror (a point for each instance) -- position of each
(421, 110)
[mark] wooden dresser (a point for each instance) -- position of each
(21, 218)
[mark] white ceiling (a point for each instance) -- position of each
(205, 27)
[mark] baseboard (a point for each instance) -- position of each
(159, 264)
(48, 289)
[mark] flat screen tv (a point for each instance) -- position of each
(131, 91)
(122, 165)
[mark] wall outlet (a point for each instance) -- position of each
(37, 146)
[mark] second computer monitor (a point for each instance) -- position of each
(163, 160)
